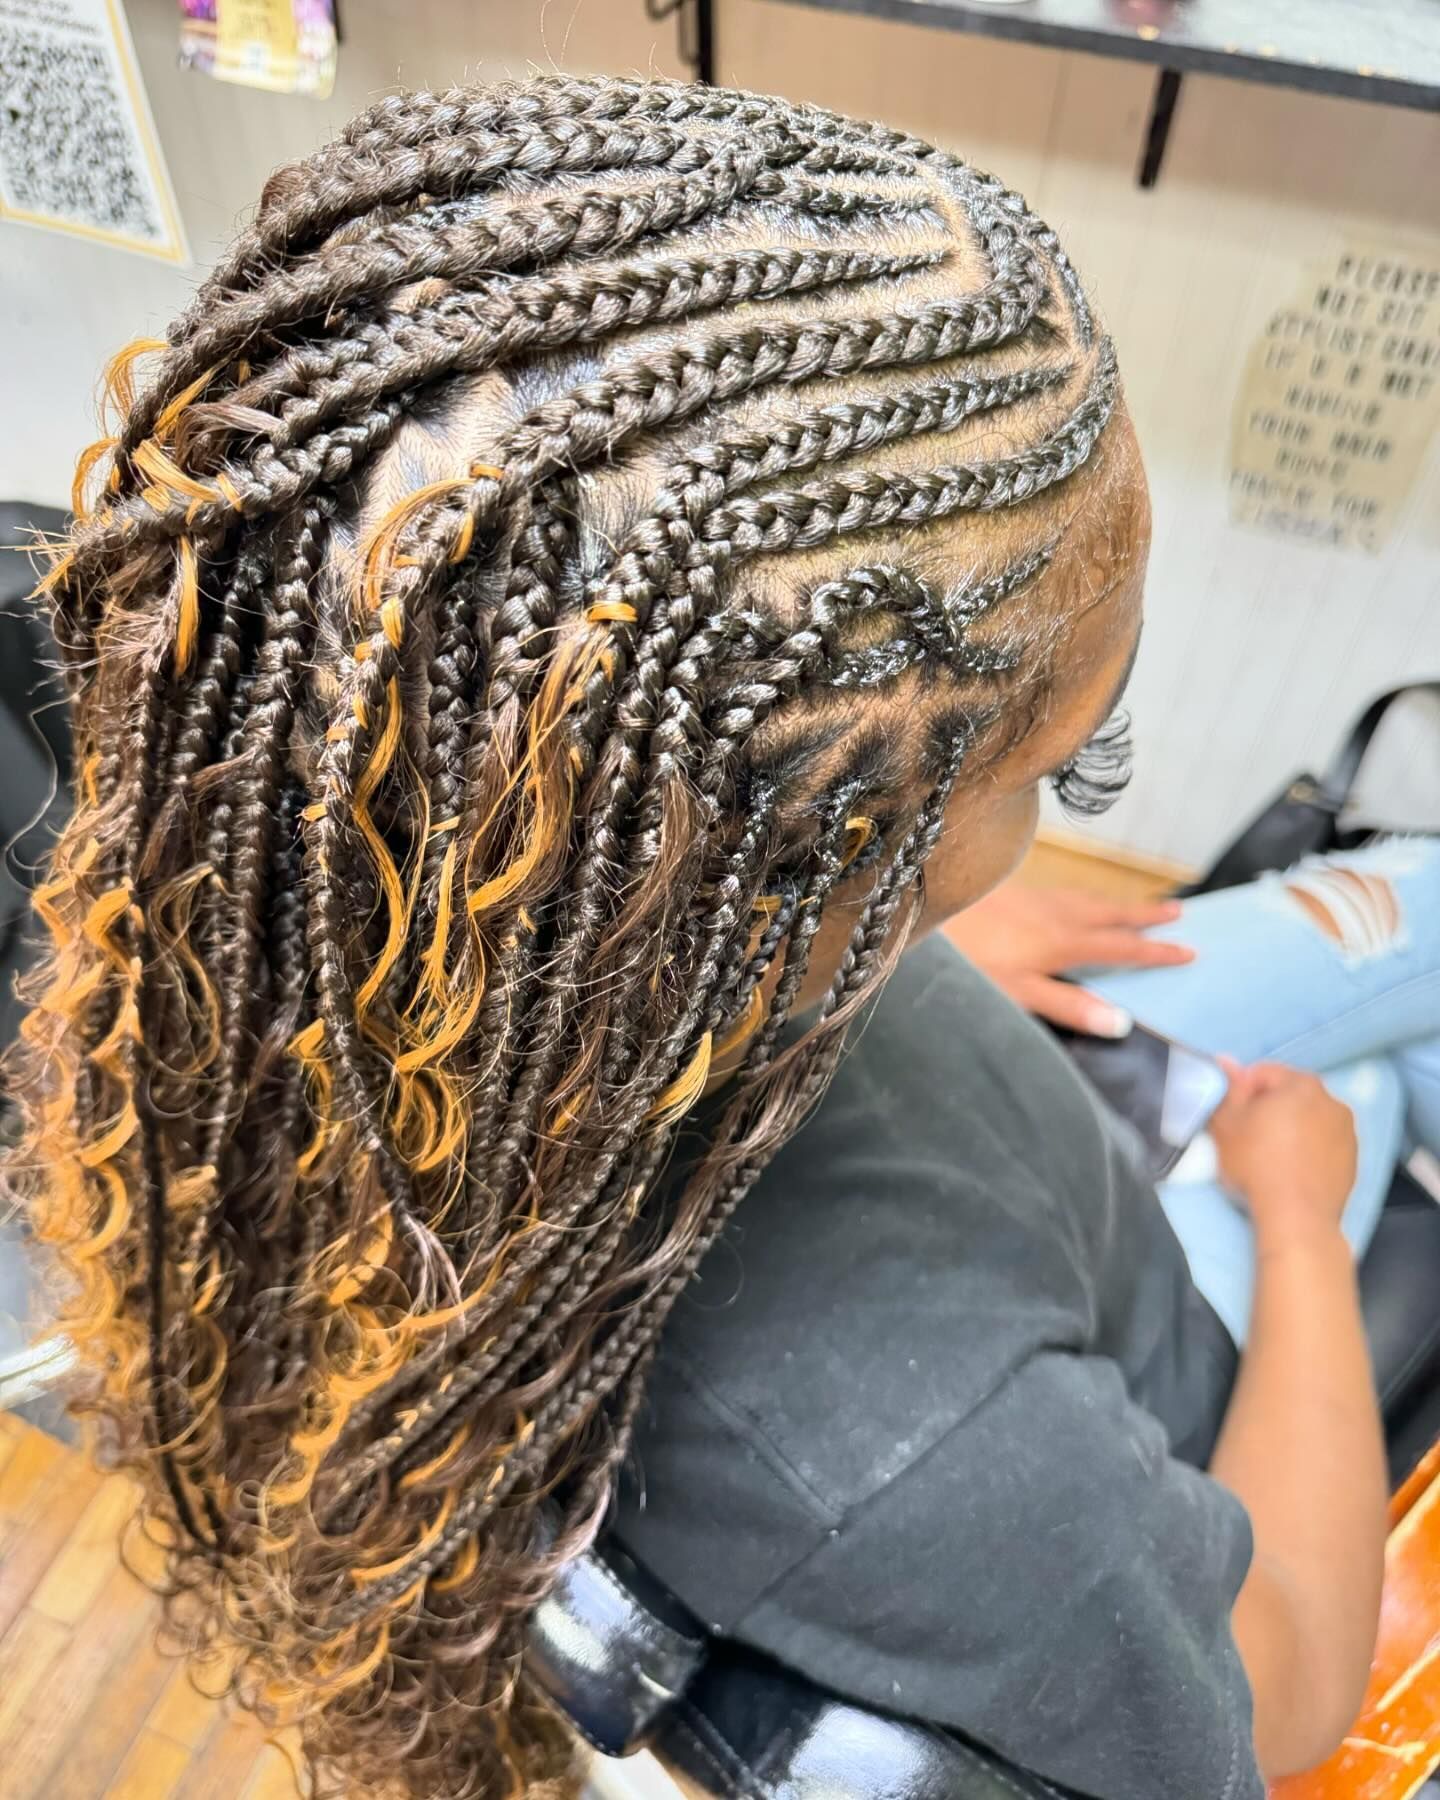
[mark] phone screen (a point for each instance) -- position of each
(1165, 1091)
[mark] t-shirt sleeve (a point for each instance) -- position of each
(1048, 1580)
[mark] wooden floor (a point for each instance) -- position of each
(90, 1709)
(1066, 859)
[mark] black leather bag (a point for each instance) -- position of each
(1304, 820)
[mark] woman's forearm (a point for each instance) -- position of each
(1302, 1448)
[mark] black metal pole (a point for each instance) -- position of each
(705, 41)
(1162, 112)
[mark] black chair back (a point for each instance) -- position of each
(631, 1669)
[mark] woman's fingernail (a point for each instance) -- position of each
(1173, 909)
(1110, 1022)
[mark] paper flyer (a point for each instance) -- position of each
(288, 46)
(78, 150)
(1340, 399)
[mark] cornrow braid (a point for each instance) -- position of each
(476, 142)
(523, 592)
(466, 333)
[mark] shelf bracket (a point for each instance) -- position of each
(1157, 134)
(695, 24)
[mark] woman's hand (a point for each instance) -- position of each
(1023, 938)
(1287, 1148)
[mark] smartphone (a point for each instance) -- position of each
(1165, 1091)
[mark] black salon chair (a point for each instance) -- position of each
(34, 744)
(630, 1668)
(1400, 1297)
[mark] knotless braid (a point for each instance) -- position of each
(434, 856)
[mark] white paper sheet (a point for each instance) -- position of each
(78, 150)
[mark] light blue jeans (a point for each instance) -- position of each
(1362, 1009)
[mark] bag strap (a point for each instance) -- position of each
(1339, 778)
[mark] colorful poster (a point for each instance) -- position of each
(78, 150)
(288, 46)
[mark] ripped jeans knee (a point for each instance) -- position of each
(1354, 898)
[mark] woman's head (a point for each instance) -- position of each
(584, 555)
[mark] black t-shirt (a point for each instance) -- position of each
(919, 1429)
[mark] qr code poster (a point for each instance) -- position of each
(78, 150)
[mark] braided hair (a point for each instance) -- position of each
(475, 624)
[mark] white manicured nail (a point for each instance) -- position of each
(1111, 1022)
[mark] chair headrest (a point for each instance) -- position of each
(627, 1664)
(612, 1651)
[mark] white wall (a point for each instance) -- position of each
(1256, 648)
